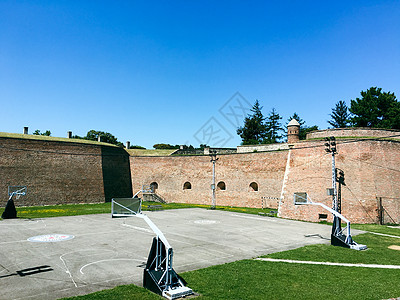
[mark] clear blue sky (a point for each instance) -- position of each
(164, 71)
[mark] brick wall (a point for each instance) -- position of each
(61, 172)
(66, 172)
(354, 132)
(372, 169)
(237, 171)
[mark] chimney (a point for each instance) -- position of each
(25, 130)
(69, 134)
(128, 144)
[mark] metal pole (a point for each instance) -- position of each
(213, 185)
(213, 155)
(334, 200)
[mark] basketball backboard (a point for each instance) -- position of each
(300, 198)
(124, 207)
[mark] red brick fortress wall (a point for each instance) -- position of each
(371, 168)
(62, 172)
(237, 171)
(354, 132)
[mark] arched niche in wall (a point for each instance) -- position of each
(154, 186)
(221, 186)
(187, 185)
(253, 187)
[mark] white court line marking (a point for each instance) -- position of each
(67, 270)
(330, 263)
(395, 227)
(104, 260)
(383, 234)
(137, 228)
(66, 267)
(270, 219)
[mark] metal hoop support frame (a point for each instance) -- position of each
(159, 276)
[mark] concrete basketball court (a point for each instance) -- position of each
(103, 252)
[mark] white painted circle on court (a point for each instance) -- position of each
(51, 238)
(206, 222)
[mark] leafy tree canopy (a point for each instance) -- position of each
(136, 147)
(254, 131)
(375, 109)
(105, 137)
(340, 115)
(46, 133)
(165, 146)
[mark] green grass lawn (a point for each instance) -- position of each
(251, 279)
(377, 253)
(32, 212)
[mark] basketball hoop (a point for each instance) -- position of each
(17, 190)
(10, 212)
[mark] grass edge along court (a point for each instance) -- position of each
(252, 279)
(32, 212)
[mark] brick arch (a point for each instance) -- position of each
(221, 186)
(187, 185)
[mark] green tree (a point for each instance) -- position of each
(136, 147)
(254, 130)
(340, 115)
(274, 127)
(375, 109)
(303, 128)
(46, 133)
(165, 146)
(105, 137)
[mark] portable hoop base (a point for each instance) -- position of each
(341, 240)
(159, 276)
(9, 212)
(339, 236)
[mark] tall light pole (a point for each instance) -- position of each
(331, 148)
(213, 155)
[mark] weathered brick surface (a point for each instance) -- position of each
(236, 170)
(354, 132)
(61, 172)
(371, 170)
(66, 172)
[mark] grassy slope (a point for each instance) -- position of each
(51, 138)
(150, 152)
